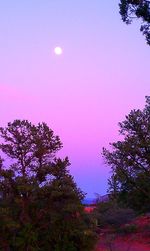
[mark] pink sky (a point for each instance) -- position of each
(102, 74)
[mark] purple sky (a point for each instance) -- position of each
(82, 95)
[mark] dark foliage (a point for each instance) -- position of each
(111, 214)
(40, 204)
(130, 161)
(137, 9)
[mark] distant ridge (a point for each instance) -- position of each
(90, 201)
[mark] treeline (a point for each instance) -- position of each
(41, 205)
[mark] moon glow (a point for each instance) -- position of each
(58, 50)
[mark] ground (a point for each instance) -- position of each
(137, 241)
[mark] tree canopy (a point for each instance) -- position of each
(129, 160)
(137, 9)
(40, 204)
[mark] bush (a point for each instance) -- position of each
(128, 229)
(114, 216)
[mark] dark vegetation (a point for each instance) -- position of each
(129, 160)
(40, 204)
(110, 214)
(137, 9)
(129, 184)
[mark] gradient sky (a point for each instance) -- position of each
(102, 74)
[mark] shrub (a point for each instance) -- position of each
(109, 214)
(128, 229)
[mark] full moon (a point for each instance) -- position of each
(58, 50)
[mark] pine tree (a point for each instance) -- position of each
(40, 204)
(130, 160)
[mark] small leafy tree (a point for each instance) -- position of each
(40, 204)
(130, 160)
(137, 9)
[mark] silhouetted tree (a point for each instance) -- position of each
(40, 204)
(130, 160)
(137, 9)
